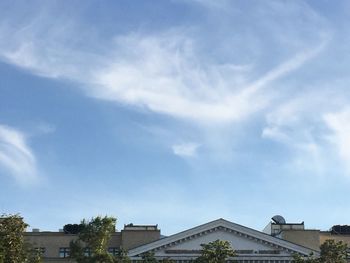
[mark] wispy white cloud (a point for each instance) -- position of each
(172, 72)
(162, 72)
(16, 157)
(295, 126)
(339, 124)
(188, 149)
(274, 133)
(285, 122)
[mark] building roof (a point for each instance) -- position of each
(222, 224)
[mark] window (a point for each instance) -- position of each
(64, 252)
(113, 251)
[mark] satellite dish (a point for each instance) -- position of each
(279, 219)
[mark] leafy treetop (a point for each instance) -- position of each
(331, 252)
(92, 242)
(216, 252)
(13, 247)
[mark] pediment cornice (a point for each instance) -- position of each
(222, 225)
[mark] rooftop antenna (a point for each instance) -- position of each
(279, 220)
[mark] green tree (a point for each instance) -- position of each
(13, 247)
(217, 251)
(167, 260)
(309, 259)
(148, 257)
(92, 242)
(333, 252)
(122, 257)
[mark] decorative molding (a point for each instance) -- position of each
(222, 225)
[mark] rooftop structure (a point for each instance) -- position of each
(312, 238)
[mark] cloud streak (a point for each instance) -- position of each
(185, 150)
(339, 125)
(163, 72)
(164, 75)
(175, 73)
(16, 157)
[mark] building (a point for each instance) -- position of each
(311, 238)
(251, 246)
(55, 245)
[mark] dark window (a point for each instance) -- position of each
(64, 252)
(113, 251)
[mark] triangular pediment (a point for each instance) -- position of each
(246, 241)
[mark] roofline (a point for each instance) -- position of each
(243, 229)
(288, 224)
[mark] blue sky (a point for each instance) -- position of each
(175, 112)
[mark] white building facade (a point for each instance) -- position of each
(251, 246)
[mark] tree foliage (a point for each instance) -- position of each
(148, 257)
(217, 251)
(167, 260)
(72, 228)
(309, 259)
(331, 252)
(13, 247)
(122, 257)
(92, 242)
